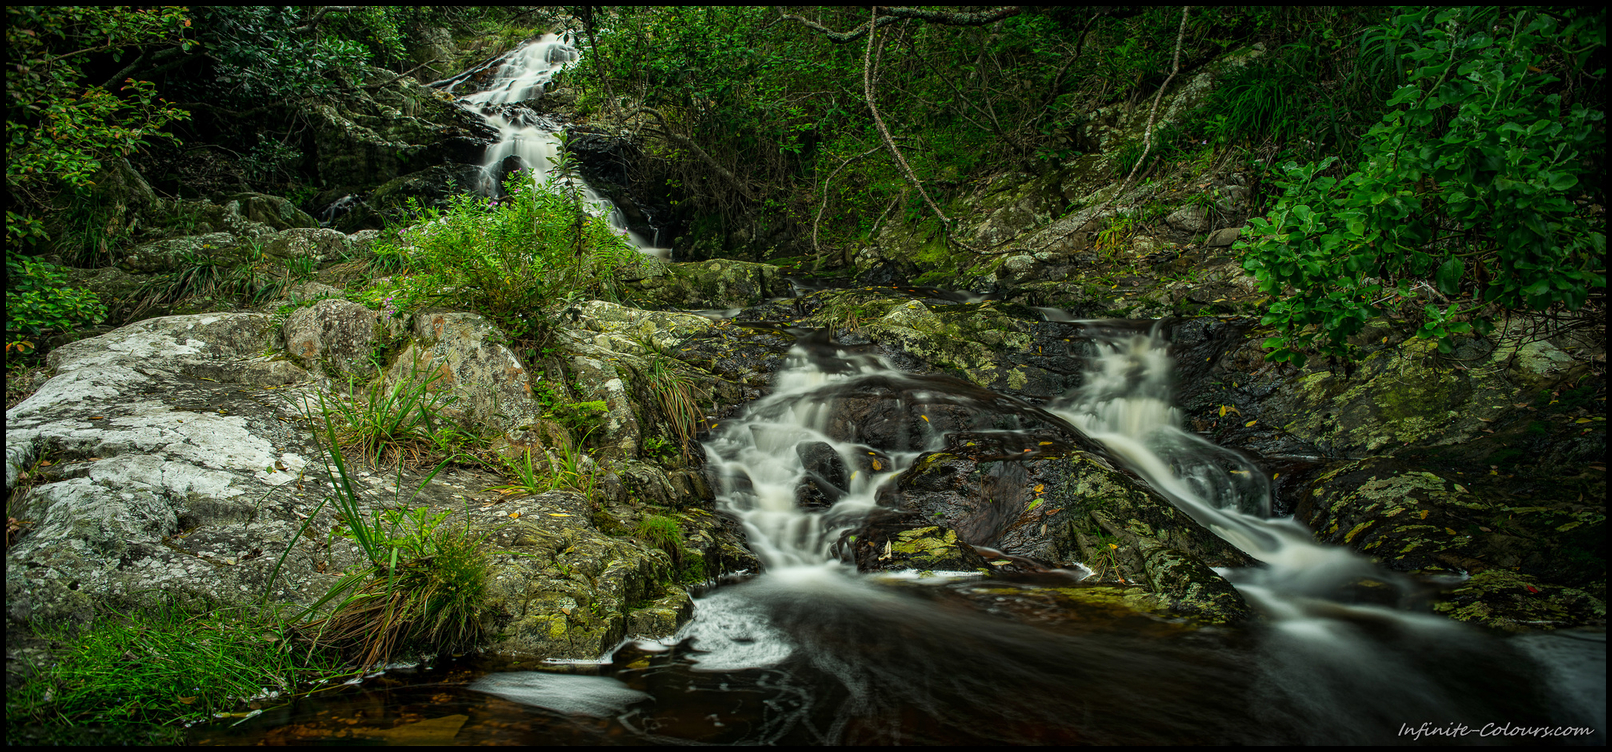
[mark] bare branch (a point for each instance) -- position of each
(816, 249)
(685, 143)
(893, 15)
(1147, 135)
(868, 77)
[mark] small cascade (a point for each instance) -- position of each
(529, 141)
(761, 457)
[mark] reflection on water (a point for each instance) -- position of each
(845, 660)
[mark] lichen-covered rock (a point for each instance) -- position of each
(1433, 521)
(160, 256)
(985, 343)
(338, 337)
(559, 588)
(463, 354)
(173, 468)
(321, 244)
(717, 283)
(1061, 508)
(273, 211)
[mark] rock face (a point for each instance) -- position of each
(167, 460)
(164, 476)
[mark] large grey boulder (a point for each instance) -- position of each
(339, 336)
(173, 471)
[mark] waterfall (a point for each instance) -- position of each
(532, 140)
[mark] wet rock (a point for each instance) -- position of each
(1535, 552)
(430, 188)
(559, 588)
(826, 476)
(366, 137)
(985, 343)
(1065, 509)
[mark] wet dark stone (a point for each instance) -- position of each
(888, 272)
(1056, 507)
(826, 477)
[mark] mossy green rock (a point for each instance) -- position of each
(559, 588)
(717, 283)
(1063, 508)
(1536, 553)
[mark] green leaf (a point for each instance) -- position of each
(1449, 276)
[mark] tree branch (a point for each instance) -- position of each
(685, 143)
(893, 15)
(313, 21)
(890, 143)
(824, 205)
(1147, 135)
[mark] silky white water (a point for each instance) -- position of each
(521, 77)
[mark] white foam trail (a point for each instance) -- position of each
(1125, 405)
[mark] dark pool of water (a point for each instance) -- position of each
(841, 660)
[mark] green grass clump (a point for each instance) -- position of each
(165, 667)
(509, 258)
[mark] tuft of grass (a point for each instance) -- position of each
(164, 667)
(566, 470)
(400, 424)
(663, 533)
(422, 586)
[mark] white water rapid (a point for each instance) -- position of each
(1325, 669)
(519, 79)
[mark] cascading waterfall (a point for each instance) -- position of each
(521, 77)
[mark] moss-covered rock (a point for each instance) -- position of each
(1058, 508)
(1513, 536)
(717, 283)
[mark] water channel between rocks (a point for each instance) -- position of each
(809, 651)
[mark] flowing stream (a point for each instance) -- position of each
(809, 651)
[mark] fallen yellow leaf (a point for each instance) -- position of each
(1250, 423)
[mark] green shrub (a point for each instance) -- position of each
(510, 258)
(39, 303)
(1467, 190)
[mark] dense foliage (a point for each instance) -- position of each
(511, 258)
(1467, 186)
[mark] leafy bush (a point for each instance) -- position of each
(39, 302)
(511, 258)
(1467, 190)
